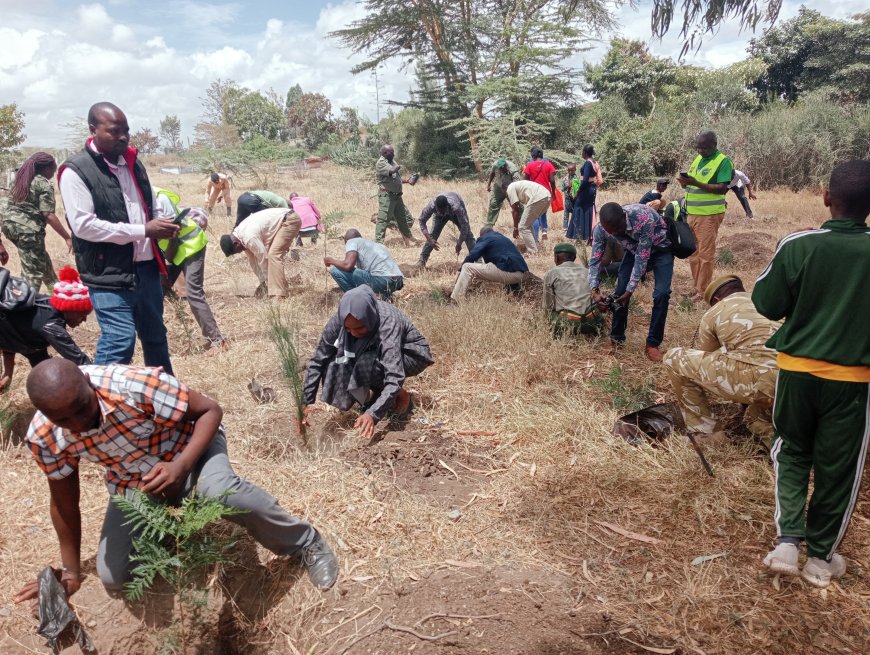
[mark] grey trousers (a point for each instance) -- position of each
(265, 520)
(194, 279)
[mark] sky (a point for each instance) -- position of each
(57, 57)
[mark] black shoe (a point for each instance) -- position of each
(321, 563)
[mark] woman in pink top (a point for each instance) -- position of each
(309, 215)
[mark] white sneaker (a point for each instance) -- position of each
(784, 559)
(819, 573)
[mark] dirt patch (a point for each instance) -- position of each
(467, 609)
(428, 462)
(750, 249)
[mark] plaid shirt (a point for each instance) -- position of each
(141, 423)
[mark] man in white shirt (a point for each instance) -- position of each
(526, 198)
(109, 206)
(365, 263)
(265, 237)
(741, 186)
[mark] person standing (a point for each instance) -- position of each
(503, 172)
(265, 237)
(29, 209)
(186, 255)
(543, 172)
(109, 205)
(741, 186)
(643, 234)
(706, 183)
(218, 189)
(448, 207)
(365, 263)
(251, 202)
(527, 200)
(391, 206)
(568, 194)
(730, 362)
(585, 192)
(817, 282)
(502, 262)
(567, 296)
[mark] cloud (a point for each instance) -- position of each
(56, 60)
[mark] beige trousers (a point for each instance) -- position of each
(284, 238)
(530, 213)
(219, 193)
(706, 230)
(489, 272)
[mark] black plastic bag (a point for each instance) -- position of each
(56, 616)
(654, 423)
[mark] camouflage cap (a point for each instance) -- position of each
(717, 284)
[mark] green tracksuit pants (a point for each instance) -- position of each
(496, 200)
(392, 212)
(824, 426)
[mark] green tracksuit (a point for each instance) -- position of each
(817, 281)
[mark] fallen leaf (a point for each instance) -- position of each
(700, 559)
(631, 535)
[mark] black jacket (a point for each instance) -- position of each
(107, 265)
(32, 330)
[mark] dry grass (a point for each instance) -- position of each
(538, 458)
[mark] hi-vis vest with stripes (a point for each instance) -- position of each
(191, 237)
(701, 203)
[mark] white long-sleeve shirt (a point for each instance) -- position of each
(256, 233)
(84, 222)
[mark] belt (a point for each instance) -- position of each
(571, 316)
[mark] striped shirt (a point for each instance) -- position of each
(142, 423)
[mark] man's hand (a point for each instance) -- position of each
(624, 298)
(300, 424)
(433, 243)
(4, 256)
(366, 426)
(161, 228)
(458, 248)
(752, 196)
(328, 261)
(165, 479)
(683, 180)
(71, 582)
(599, 299)
(69, 245)
(4, 382)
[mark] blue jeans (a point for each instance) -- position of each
(122, 315)
(380, 284)
(540, 224)
(661, 263)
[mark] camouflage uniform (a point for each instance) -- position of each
(731, 363)
(24, 225)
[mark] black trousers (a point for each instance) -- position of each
(740, 192)
(246, 205)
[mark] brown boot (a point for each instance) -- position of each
(653, 353)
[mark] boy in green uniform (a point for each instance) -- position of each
(817, 282)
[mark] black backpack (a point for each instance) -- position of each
(683, 242)
(15, 294)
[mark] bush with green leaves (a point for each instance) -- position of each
(171, 542)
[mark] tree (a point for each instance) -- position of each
(311, 118)
(253, 114)
(481, 58)
(11, 132)
(705, 16)
(170, 133)
(214, 102)
(812, 52)
(144, 141)
(294, 93)
(631, 72)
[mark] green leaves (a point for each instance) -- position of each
(171, 542)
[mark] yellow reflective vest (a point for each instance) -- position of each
(701, 203)
(191, 237)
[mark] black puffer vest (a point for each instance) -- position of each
(106, 265)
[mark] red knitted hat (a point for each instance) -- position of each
(70, 295)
